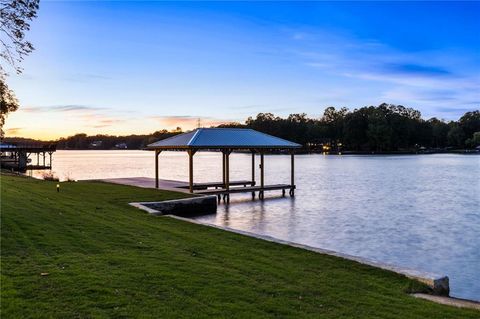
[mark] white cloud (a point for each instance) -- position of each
(419, 79)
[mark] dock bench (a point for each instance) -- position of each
(226, 192)
(206, 186)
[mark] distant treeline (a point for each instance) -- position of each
(100, 142)
(383, 128)
(107, 142)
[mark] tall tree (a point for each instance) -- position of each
(379, 131)
(334, 120)
(8, 102)
(355, 129)
(470, 123)
(439, 132)
(15, 17)
(456, 136)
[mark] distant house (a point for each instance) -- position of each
(96, 144)
(121, 146)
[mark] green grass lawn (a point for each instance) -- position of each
(105, 259)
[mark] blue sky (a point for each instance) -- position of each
(136, 67)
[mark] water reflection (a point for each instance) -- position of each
(420, 212)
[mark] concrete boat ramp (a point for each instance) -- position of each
(184, 206)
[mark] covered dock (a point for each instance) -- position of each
(22, 157)
(227, 140)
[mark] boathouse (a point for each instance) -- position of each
(21, 157)
(227, 140)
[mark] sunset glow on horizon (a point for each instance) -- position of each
(93, 123)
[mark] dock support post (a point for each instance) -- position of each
(38, 159)
(253, 172)
(292, 173)
(262, 170)
(223, 169)
(227, 174)
(22, 160)
(227, 169)
(43, 159)
(262, 175)
(191, 152)
(292, 168)
(157, 152)
(253, 168)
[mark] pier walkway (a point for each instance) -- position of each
(215, 188)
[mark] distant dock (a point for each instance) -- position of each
(26, 157)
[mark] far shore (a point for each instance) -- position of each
(300, 152)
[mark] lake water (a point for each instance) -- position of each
(420, 212)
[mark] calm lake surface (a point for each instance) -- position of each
(420, 212)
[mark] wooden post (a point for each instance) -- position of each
(50, 155)
(223, 168)
(292, 168)
(157, 152)
(43, 159)
(191, 152)
(262, 170)
(38, 159)
(227, 169)
(253, 168)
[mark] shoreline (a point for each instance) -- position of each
(438, 283)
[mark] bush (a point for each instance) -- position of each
(50, 176)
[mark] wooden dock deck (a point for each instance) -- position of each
(215, 188)
(147, 182)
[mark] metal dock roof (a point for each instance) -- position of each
(218, 138)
